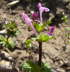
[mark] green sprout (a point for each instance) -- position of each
(8, 43)
(12, 29)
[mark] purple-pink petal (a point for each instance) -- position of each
(46, 9)
(42, 8)
(50, 34)
(25, 18)
(35, 16)
(27, 21)
(39, 5)
(51, 30)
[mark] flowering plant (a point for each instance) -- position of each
(38, 27)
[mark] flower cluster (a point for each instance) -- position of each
(37, 16)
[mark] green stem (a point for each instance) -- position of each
(40, 53)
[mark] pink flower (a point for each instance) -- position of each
(35, 16)
(51, 30)
(41, 10)
(27, 21)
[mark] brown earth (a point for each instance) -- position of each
(54, 52)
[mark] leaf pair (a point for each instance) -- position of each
(43, 37)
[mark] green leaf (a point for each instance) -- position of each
(46, 67)
(11, 43)
(39, 27)
(35, 67)
(64, 18)
(3, 40)
(43, 37)
(28, 43)
(48, 22)
(25, 66)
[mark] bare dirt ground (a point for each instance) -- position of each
(53, 51)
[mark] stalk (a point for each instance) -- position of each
(40, 53)
(41, 19)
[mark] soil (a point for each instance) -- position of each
(56, 52)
